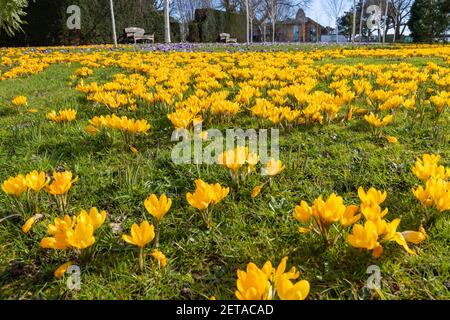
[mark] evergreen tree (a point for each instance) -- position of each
(429, 19)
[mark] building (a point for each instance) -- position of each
(300, 29)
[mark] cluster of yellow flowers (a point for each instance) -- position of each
(323, 213)
(281, 88)
(376, 229)
(441, 101)
(35, 181)
(56, 184)
(204, 196)
(83, 72)
(113, 100)
(267, 283)
(266, 110)
(66, 115)
(182, 119)
(369, 235)
(375, 121)
(437, 186)
(120, 123)
(128, 127)
(76, 232)
(20, 101)
(236, 159)
(23, 65)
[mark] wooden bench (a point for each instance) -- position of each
(138, 34)
(225, 37)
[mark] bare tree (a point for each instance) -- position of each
(276, 10)
(272, 13)
(386, 21)
(334, 9)
(255, 10)
(184, 10)
(361, 20)
(354, 22)
(400, 15)
(166, 21)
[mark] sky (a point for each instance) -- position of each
(318, 13)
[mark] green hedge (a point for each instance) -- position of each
(209, 23)
(46, 22)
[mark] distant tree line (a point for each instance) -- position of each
(427, 20)
(43, 22)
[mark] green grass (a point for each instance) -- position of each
(337, 157)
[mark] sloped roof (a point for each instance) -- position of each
(299, 21)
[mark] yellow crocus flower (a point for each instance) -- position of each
(202, 196)
(415, 237)
(61, 270)
(218, 193)
(392, 139)
(424, 196)
(256, 191)
(377, 122)
(287, 290)
(36, 180)
(273, 167)
(15, 185)
(19, 101)
(253, 284)
(61, 184)
(364, 236)
(82, 236)
(28, 224)
(94, 217)
(303, 212)
(158, 255)
(372, 197)
(330, 210)
(348, 217)
(157, 207)
(141, 234)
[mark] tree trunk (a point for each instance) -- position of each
(247, 21)
(361, 21)
(337, 30)
(264, 32)
(166, 22)
(354, 22)
(273, 30)
(395, 30)
(386, 20)
(113, 21)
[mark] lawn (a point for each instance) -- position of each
(328, 147)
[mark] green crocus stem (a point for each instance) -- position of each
(19, 205)
(325, 236)
(157, 227)
(141, 258)
(205, 216)
(64, 200)
(36, 203)
(209, 215)
(323, 231)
